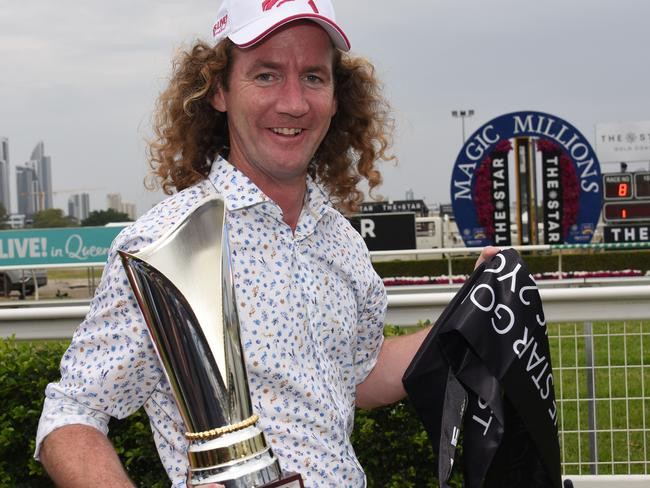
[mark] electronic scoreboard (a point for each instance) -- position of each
(627, 197)
(626, 211)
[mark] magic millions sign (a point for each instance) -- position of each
(550, 166)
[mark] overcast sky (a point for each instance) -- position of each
(83, 77)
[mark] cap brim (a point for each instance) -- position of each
(256, 31)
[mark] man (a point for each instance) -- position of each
(280, 122)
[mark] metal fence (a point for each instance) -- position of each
(600, 348)
(602, 377)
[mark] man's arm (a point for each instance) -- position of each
(384, 383)
(77, 455)
(80, 456)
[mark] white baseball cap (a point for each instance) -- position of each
(247, 22)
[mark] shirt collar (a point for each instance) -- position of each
(235, 187)
(316, 204)
(240, 192)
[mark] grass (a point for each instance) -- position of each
(72, 273)
(621, 400)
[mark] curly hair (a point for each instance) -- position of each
(189, 133)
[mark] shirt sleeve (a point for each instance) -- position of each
(110, 367)
(370, 326)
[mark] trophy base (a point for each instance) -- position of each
(288, 480)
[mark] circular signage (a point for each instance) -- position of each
(531, 154)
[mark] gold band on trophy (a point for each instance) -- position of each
(218, 432)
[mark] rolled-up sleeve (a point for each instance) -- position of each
(110, 367)
(370, 327)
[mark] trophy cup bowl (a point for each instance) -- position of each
(183, 285)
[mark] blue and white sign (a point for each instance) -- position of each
(475, 214)
(68, 245)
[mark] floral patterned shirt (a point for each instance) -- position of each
(311, 309)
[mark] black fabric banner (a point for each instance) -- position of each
(485, 367)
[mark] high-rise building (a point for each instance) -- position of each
(5, 197)
(43, 166)
(115, 202)
(79, 206)
(130, 210)
(27, 189)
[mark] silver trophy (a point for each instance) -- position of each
(183, 285)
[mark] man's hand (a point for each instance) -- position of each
(486, 254)
(384, 383)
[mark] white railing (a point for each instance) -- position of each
(37, 323)
(560, 305)
(605, 481)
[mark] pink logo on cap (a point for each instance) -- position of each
(269, 4)
(219, 25)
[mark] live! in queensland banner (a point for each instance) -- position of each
(70, 245)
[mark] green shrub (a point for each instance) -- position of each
(393, 448)
(25, 370)
(390, 442)
(537, 263)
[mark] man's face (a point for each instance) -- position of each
(279, 103)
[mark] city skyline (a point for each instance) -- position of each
(33, 191)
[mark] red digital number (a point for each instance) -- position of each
(622, 189)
